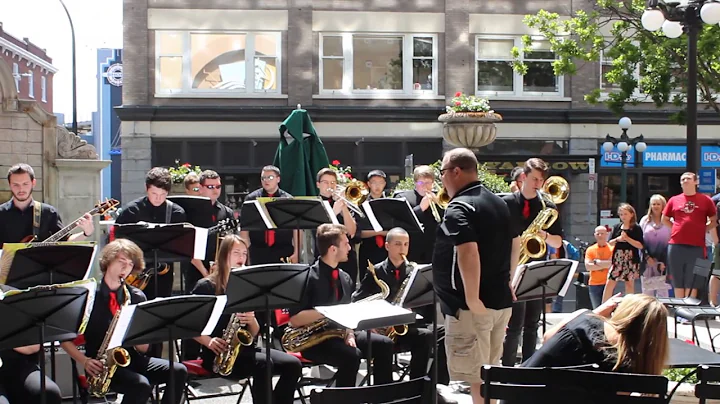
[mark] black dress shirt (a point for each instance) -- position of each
(370, 248)
(351, 265)
(220, 212)
(260, 252)
(141, 210)
(18, 224)
(421, 244)
(386, 272)
(321, 288)
(101, 317)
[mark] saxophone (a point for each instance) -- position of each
(301, 338)
(98, 386)
(534, 246)
(236, 337)
(399, 330)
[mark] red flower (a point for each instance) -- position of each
(336, 162)
(186, 165)
(458, 103)
(458, 94)
(348, 175)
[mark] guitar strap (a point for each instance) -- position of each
(37, 213)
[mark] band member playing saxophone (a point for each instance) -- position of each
(330, 344)
(525, 205)
(372, 246)
(421, 200)
(135, 381)
(249, 361)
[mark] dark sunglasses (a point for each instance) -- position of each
(212, 186)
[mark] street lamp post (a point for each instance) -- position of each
(74, 73)
(624, 144)
(673, 18)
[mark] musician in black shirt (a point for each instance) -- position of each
(20, 378)
(271, 246)
(372, 246)
(119, 259)
(421, 247)
(17, 214)
(233, 253)
(330, 285)
(154, 208)
(524, 206)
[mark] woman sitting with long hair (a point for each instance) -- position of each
(627, 335)
(233, 253)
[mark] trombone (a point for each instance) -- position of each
(353, 194)
(442, 200)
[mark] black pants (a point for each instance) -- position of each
(524, 320)
(346, 359)
(136, 382)
(21, 385)
(419, 342)
(284, 365)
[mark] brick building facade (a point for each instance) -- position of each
(209, 82)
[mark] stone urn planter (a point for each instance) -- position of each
(177, 189)
(469, 129)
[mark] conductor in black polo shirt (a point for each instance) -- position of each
(271, 246)
(421, 246)
(524, 206)
(471, 270)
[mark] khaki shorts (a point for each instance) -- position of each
(474, 340)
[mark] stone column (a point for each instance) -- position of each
(581, 217)
(136, 144)
(301, 53)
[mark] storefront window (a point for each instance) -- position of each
(525, 147)
(610, 197)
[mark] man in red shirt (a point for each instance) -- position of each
(693, 215)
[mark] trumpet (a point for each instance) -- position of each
(442, 200)
(353, 194)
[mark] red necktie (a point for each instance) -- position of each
(335, 275)
(397, 274)
(270, 234)
(526, 209)
(114, 306)
(111, 236)
(380, 241)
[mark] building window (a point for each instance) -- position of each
(31, 84)
(43, 88)
(606, 87)
(495, 75)
(217, 63)
(16, 76)
(387, 64)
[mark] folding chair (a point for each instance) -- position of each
(708, 386)
(701, 270)
(700, 312)
(415, 391)
(196, 373)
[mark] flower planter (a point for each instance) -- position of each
(177, 189)
(469, 129)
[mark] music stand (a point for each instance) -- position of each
(166, 320)
(50, 264)
(198, 209)
(44, 314)
(387, 213)
(266, 287)
(165, 242)
(419, 293)
(368, 315)
(543, 279)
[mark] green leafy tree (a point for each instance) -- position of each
(645, 65)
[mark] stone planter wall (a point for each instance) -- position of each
(471, 130)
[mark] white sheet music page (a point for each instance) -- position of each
(571, 275)
(371, 216)
(350, 315)
(264, 214)
(518, 275)
(330, 212)
(126, 314)
(201, 235)
(220, 303)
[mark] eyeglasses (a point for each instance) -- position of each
(195, 189)
(268, 178)
(331, 183)
(212, 186)
(442, 170)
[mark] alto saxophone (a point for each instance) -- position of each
(236, 337)
(297, 339)
(98, 386)
(395, 331)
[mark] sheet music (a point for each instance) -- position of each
(371, 216)
(118, 335)
(571, 275)
(329, 210)
(201, 235)
(413, 275)
(350, 315)
(220, 303)
(417, 221)
(528, 267)
(519, 270)
(90, 264)
(263, 214)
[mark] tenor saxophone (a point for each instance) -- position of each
(98, 386)
(395, 331)
(301, 338)
(236, 337)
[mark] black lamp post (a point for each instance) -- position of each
(624, 144)
(674, 17)
(74, 73)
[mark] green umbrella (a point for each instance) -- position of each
(300, 154)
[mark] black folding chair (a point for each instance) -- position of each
(415, 391)
(708, 386)
(566, 386)
(701, 270)
(699, 312)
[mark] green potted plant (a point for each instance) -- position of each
(178, 174)
(469, 121)
(493, 182)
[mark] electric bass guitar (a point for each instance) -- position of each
(100, 209)
(140, 280)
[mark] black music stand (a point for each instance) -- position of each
(543, 279)
(366, 316)
(164, 243)
(266, 287)
(166, 320)
(43, 314)
(421, 292)
(51, 264)
(198, 209)
(386, 213)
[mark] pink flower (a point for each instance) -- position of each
(348, 175)
(186, 165)
(458, 94)
(458, 103)
(336, 162)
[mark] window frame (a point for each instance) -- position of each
(16, 76)
(43, 88)
(608, 61)
(186, 57)
(518, 84)
(31, 84)
(408, 56)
